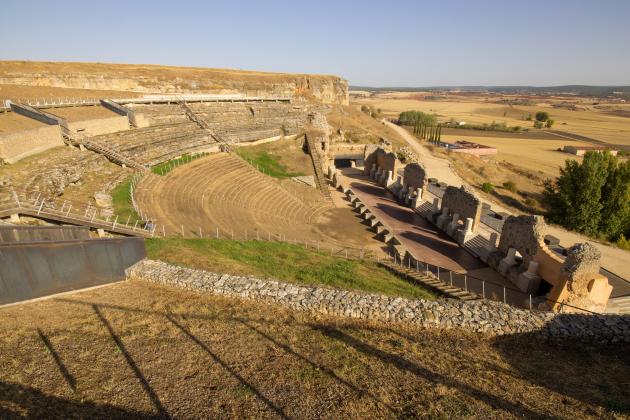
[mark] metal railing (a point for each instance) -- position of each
(483, 288)
(35, 204)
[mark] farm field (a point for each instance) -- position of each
(594, 121)
(539, 156)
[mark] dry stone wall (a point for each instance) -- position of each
(479, 316)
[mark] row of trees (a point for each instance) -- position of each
(592, 197)
(424, 125)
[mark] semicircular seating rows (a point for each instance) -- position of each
(221, 191)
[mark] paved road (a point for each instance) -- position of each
(613, 259)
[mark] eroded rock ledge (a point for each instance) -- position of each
(479, 316)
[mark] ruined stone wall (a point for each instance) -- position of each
(16, 146)
(98, 126)
(464, 202)
(526, 234)
(480, 316)
(415, 176)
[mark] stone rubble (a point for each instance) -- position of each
(483, 316)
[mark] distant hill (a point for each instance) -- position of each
(573, 90)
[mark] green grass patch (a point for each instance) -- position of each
(266, 163)
(165, 167)
(282, 261)
(122, 202)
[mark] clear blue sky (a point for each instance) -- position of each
(397, 43)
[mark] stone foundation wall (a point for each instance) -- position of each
(16, 146)
(479, 316)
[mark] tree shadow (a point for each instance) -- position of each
(429, 375)
(571, 367)
(155, 400)
(20, 401)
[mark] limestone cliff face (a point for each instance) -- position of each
(160, 79)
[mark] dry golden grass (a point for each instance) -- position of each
(140, 350)
(361, 127)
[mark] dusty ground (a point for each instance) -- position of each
(139, 350)
(588, 120)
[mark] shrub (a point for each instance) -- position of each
(510, 186)
(530, 202)
(538, 124)
(549, 123)
(487, 187)
(623, 243)
(542, 116)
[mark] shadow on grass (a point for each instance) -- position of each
(72, 383)
(19, 402)
(155, 400)
(595, 374)
(229, 369)
(403, 364)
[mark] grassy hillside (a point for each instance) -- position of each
(282, 261)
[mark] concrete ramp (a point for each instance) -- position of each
(35, 269)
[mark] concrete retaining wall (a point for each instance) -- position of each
(37, 269)
(13, 234)
(16, 146)
(480, 316)
(100, 125)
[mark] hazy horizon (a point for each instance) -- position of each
(453, 43)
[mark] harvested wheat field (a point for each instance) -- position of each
(589, 121)
(542, 157)
(135, 349)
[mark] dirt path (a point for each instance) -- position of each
(613, 259)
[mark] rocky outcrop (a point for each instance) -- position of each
(176, 80)
(479, 316)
